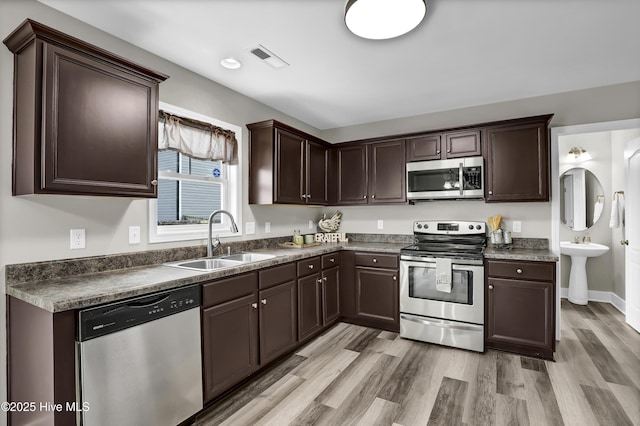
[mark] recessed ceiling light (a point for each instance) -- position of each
(383, 19)
(231, 63)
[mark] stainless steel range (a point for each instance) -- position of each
(442, 284)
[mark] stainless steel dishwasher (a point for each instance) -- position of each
(139, 360)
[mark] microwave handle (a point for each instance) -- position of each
(461, 178)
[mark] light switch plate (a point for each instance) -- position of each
(517, 226)
(311, 224)
(380, 224)
(267, 227)
(77, 237)
(134, 235)
(250, 228)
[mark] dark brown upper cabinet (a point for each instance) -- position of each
(85, 120)
(466, 143)
(372, 173)
(286, 166)
(517, 160)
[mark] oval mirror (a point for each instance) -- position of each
(581, 200)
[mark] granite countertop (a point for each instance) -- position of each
(81, 291)
(531, 254)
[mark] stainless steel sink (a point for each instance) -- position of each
(249, 257)
(205, 264)
(211, 264)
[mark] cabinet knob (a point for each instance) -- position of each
(332, 260)
(365, 197)
(310, 266)
(254, 305)
(324, 279)
(438, 152)
(319, 280)
(373, 196)
(448, 151)
(490, 286)
(263, 301)
(395, 278)
(154, 182)
(519, 270)
(490, 192)
(375, 260)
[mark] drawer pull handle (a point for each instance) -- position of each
(254, 305)
(490, 286)
(375, 260)
(264, 301)
(519, 270)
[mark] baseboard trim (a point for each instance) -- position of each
(600, 296)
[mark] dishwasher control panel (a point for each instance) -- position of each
(110, 318)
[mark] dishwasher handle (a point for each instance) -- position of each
(144, 304)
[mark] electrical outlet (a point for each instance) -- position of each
(517, 226)
(77, 237)
(250, 228)
(311, 224)
(267, 227)
(380, 224)
(134, 235)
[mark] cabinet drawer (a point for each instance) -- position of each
(331, 260)
(542, 271)
(228, 289)
(308, 266)
(377, 260)
(277, 275)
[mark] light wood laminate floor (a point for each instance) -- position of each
(354, 375)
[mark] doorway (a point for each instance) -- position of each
(556, 134)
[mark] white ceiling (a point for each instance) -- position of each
(465, 53)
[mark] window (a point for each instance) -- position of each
(189, 189)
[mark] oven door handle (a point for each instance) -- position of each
(441, 324)
(454, 266)
(461, 178)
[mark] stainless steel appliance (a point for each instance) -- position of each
(450, 315)
(139, 360)
(437, 179)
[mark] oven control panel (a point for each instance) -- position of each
(448, 227)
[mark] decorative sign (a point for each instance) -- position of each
(331, 237)
(217, 172)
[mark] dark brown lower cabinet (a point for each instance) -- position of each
(331, 294)
(521, 309)
(230, 344)
(377, 295)
(278, 320)
(309, 305)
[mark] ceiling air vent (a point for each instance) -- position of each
(267, 56)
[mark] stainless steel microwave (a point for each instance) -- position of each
(438, 179)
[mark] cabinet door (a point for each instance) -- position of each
(520, 312)
(517, 163)
(309, 305)
(289, 171)
(352, 175)
(278, 317)
(377, 295)
(100, 128)
(463, 144)
(230, 344)
(331, 294)
(317, 162)
(424, 148)
(387, 172)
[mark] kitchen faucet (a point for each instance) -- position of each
(211, 245)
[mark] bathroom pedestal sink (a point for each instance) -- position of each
(578, 288)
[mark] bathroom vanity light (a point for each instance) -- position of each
(383, 19)
(579, 154)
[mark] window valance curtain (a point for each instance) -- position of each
(197, 139)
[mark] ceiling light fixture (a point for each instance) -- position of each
(383, 19)
(230, 63)
(578, 154)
